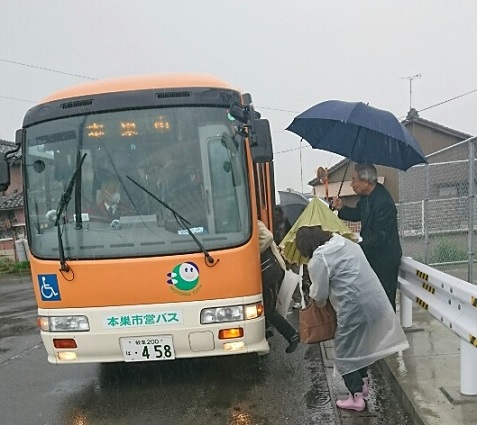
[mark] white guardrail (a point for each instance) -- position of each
(450, 300)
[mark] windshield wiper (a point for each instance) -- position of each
(62, 205)
(181, 221)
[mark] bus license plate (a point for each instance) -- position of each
(147, 348)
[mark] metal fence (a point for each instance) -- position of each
(436, 210)
(449, 300)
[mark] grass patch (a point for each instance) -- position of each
(447, 251)
(444, 251)
(8, 266)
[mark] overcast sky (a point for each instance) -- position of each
(289, 55)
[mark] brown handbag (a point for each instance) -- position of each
(317, 324)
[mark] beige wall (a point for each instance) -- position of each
(432, 140)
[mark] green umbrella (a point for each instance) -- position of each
(317, 213)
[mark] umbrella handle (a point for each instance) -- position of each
(342, 181)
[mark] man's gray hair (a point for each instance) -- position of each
(367, 172)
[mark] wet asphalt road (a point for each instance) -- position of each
(277, 389)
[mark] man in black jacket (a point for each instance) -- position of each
(379, 231)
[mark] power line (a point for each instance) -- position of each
(16, 98)
(291, 150)
(276, 109)
(410, 100)
(423, 109)
(262, 107)
(448, 100)
(46, 69)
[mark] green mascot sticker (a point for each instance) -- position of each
(184, 276)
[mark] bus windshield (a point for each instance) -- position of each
(132, 172)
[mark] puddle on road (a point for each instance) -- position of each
(318, 399)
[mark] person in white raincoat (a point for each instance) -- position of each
(367, 326)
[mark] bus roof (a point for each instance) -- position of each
(139, 82)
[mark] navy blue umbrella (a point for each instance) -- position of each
(358, 132)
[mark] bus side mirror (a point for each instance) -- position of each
(261, 143)
(4, 174)
(20, 135)
(4, 165)
(239, 112)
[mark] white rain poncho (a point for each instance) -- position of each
(368, 328)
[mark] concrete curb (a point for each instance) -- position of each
(399, 392)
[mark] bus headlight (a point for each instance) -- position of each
(252, 311)
(231, 313)
(64, 323)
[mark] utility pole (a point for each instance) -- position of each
(301, 166)
(410, 87)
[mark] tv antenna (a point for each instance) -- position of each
(410, 87)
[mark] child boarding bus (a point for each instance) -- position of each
(142, 196)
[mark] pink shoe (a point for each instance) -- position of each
(365, 387)
(355, 402)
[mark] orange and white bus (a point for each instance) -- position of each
(177, 273)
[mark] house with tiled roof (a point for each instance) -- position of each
(12, 216)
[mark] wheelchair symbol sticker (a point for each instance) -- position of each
(49, 288)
